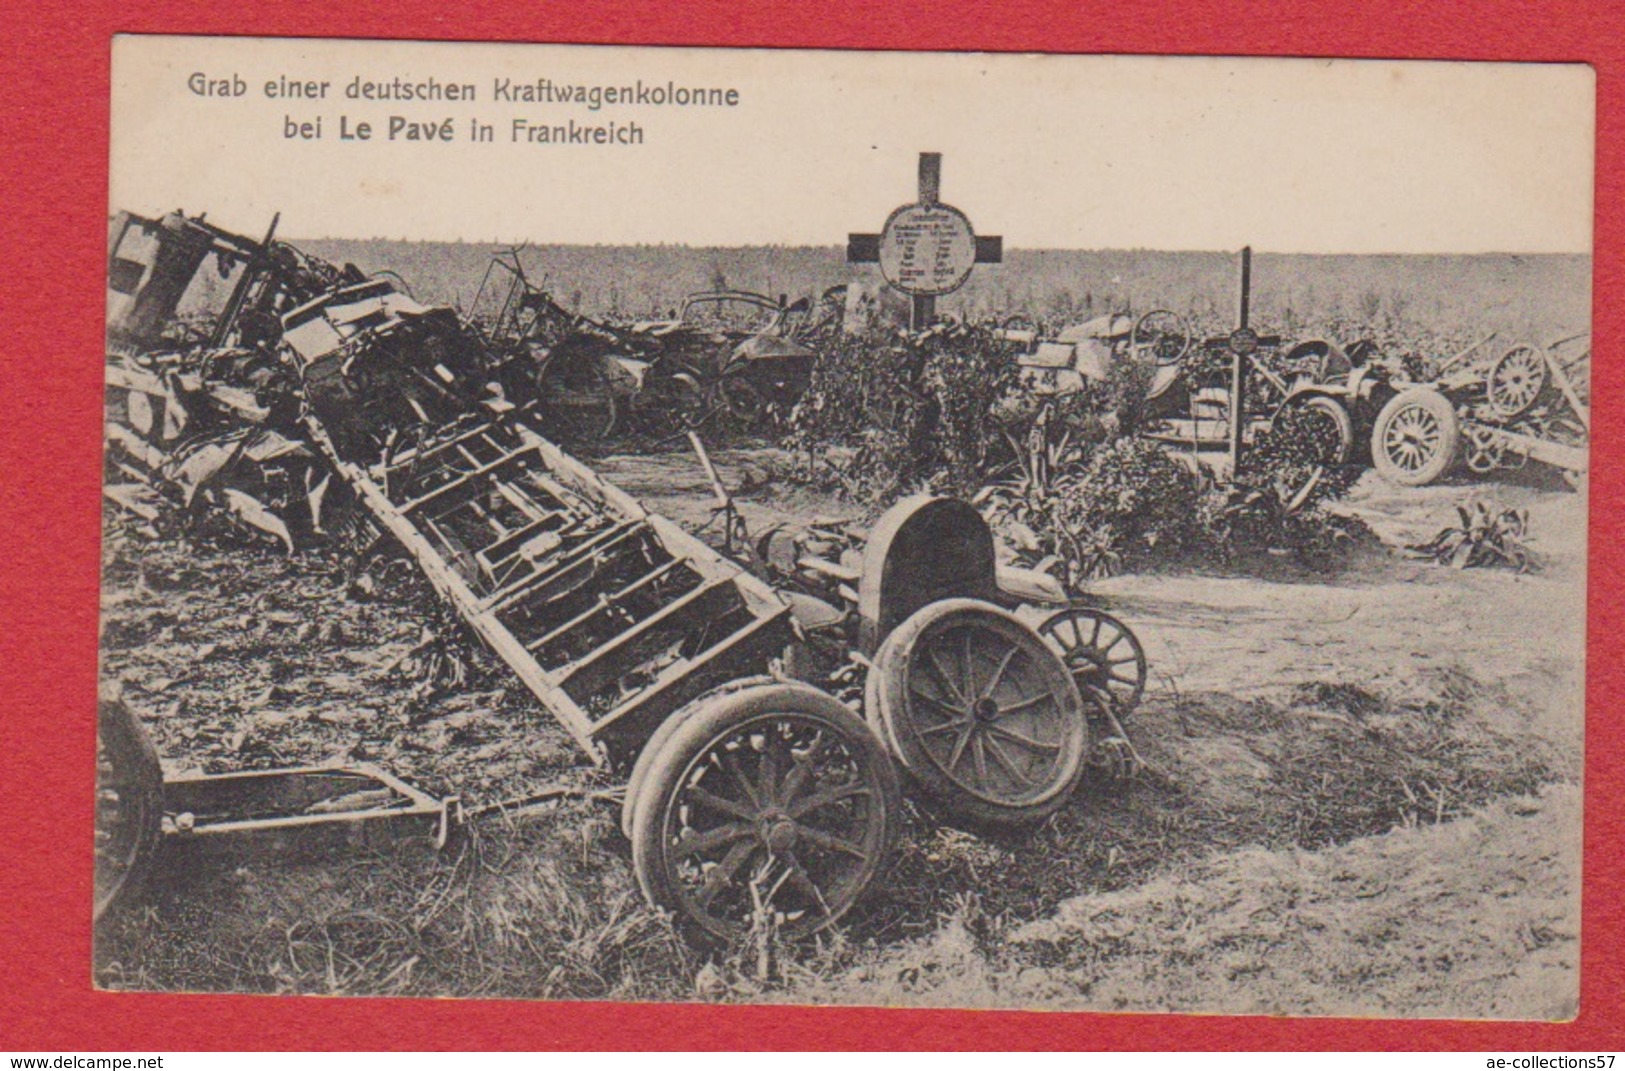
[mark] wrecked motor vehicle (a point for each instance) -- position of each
(728, 359)
(220, 347)
(1412, 420)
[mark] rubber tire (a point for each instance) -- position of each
(693, 730)
(1345, 424)
(657, 740)
(1450, 433)
(129, 749)
(884, 688)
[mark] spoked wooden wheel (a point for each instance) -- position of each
(129, 804)
(771, 804)
(1162, 334)
(1415, 437)
(980, 712)
(663, 732)
(580, 398)
(1103, 655)
(1515, 382)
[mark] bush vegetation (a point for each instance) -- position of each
(887, 414)
(1065, 481)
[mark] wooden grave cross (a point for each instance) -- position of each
(1242, 343)
(927, 248)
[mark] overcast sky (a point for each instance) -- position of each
(1048, 151)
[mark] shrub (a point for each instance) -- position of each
(888, 413)
(1134, 488)
(1277, 502)
(1085, 511)
(1063, 480)
(1487, 536)
(1239, 520)
(1291, 458)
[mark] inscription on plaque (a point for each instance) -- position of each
(927, 249)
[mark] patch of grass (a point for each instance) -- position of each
(540, 909)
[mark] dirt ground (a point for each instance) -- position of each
(1361, 795)
(1383, 925)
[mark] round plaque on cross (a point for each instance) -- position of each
(927, 249)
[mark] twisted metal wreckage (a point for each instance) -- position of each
(1412, 420)
(755, 795)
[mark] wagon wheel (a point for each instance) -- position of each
(1415, 437)
(663, 732)
(1103, 655)
(129, 804)
(1163, 334)
(1515, 382)
(580, 399)
(981, 712)
(772, 795)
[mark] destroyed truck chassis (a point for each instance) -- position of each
(664, 659)
(749, 788)
(660, 657)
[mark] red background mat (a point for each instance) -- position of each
(53, 153)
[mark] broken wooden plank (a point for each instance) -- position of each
(1571, 458)
(763, 638)
(600, 542)
(585, 481)
(589, 668)
(143, 451)
(1561, 378)
(132, 498)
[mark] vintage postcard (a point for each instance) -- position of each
(1051, 532)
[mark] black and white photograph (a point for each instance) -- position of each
(1043, 532)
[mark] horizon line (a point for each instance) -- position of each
(502, 244)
